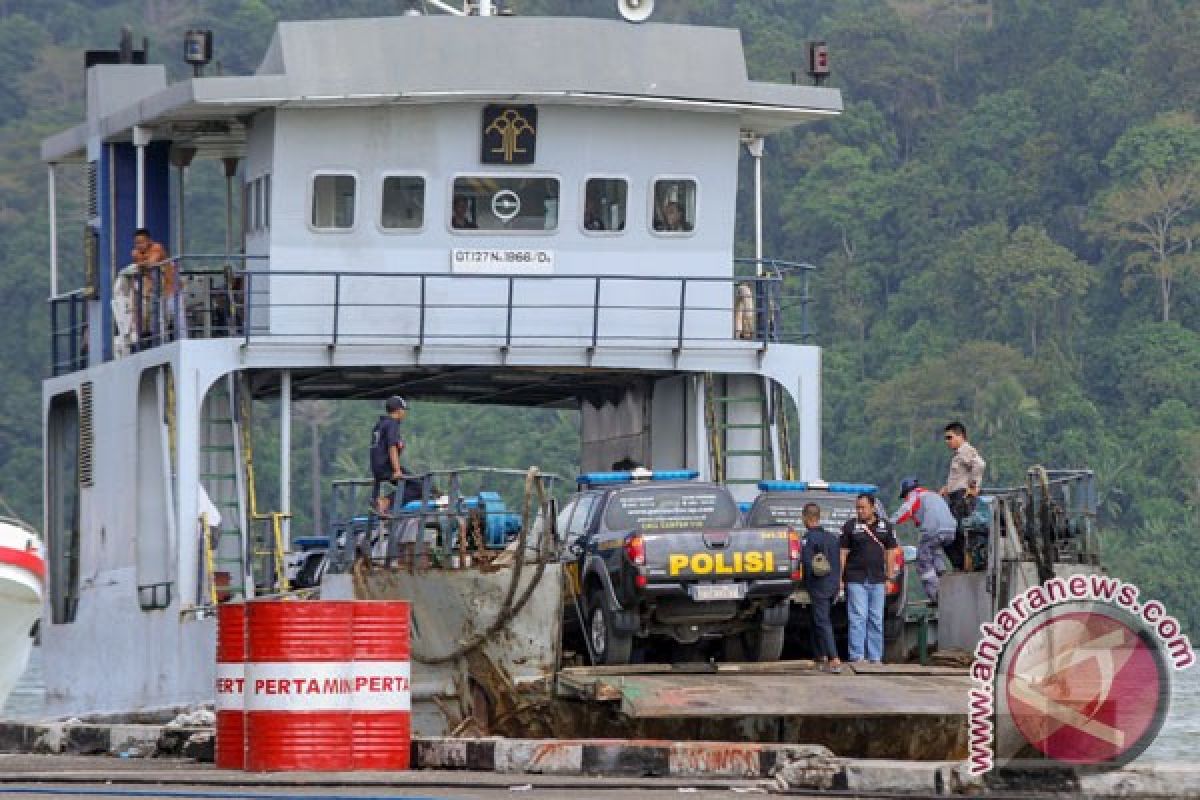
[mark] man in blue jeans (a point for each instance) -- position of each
(868, 560)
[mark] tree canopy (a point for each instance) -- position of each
(1004, 221)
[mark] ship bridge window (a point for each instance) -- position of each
(403, 205)
(333, 202)
(674, 205)
(504, 203)
(604, 203)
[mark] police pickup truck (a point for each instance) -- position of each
(661, 556)
(779, 505)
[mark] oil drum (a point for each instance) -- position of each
(382, 705)
(231, 676)
(299, 685)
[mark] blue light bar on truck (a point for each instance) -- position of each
(629, 476)
(804, 486)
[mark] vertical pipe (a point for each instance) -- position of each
(52, 203)
(231, 167)
(754, 145)
(179, 237)
(228, 217)
(141, 137)
(285, 453)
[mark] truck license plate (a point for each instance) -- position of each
(717, 591)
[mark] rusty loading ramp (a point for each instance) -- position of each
(867, 711)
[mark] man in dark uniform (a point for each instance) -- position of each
(386, 446)
(868, 560)
(822, 564)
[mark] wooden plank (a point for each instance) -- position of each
(646, 696)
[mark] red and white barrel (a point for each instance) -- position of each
(231, 678)
(299, 685)
(382, 706)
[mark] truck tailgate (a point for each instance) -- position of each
(717, 555)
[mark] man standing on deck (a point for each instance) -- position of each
(868, 561)
(821, 561)
(386, 446)
(930, 513)
(966, 472)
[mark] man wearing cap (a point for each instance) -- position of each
(929, 512)
(386, 446)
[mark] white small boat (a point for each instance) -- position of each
(22, 588)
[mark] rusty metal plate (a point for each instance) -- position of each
(732, 695)
(905, 669)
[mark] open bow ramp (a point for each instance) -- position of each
(879, 711)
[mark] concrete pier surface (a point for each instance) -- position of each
(808, 772)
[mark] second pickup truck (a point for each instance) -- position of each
(670, 559)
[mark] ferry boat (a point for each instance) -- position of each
(412, 208)
(22, 592)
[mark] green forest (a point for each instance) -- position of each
(1005, 222)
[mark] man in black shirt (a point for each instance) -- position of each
(868, 560)
(822, 579)
(386, 446)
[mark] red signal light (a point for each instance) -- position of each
(635, 549)
(818, 60)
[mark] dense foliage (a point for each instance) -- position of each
(1005, 221)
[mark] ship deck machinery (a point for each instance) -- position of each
(476, 229)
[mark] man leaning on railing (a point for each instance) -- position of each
(157, 290)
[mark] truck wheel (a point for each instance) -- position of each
(896, 646)
(609, 646)
(764, 643)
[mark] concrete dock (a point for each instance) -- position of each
(149, 761)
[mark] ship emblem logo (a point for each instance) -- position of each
(509, 134)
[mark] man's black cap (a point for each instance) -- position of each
(395, 403)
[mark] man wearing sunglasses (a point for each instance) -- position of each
(966, 472)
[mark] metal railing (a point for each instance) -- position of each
(447, 520)
(763, 302)
(68, 332)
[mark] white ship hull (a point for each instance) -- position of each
(22, 586)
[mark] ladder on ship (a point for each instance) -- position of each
(221, 476)
(244, 553)
(747, 426)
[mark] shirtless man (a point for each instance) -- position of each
(151, 260)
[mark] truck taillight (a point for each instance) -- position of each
(892, 587)
(635, 549)
(794, 554)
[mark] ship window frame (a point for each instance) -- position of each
(257, 183)
(653, 194)
(247, 208)
(425, 183)
(312, 197)
(485, 232)
(581, 216)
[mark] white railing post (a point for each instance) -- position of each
(52, 203)
(141, 138)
